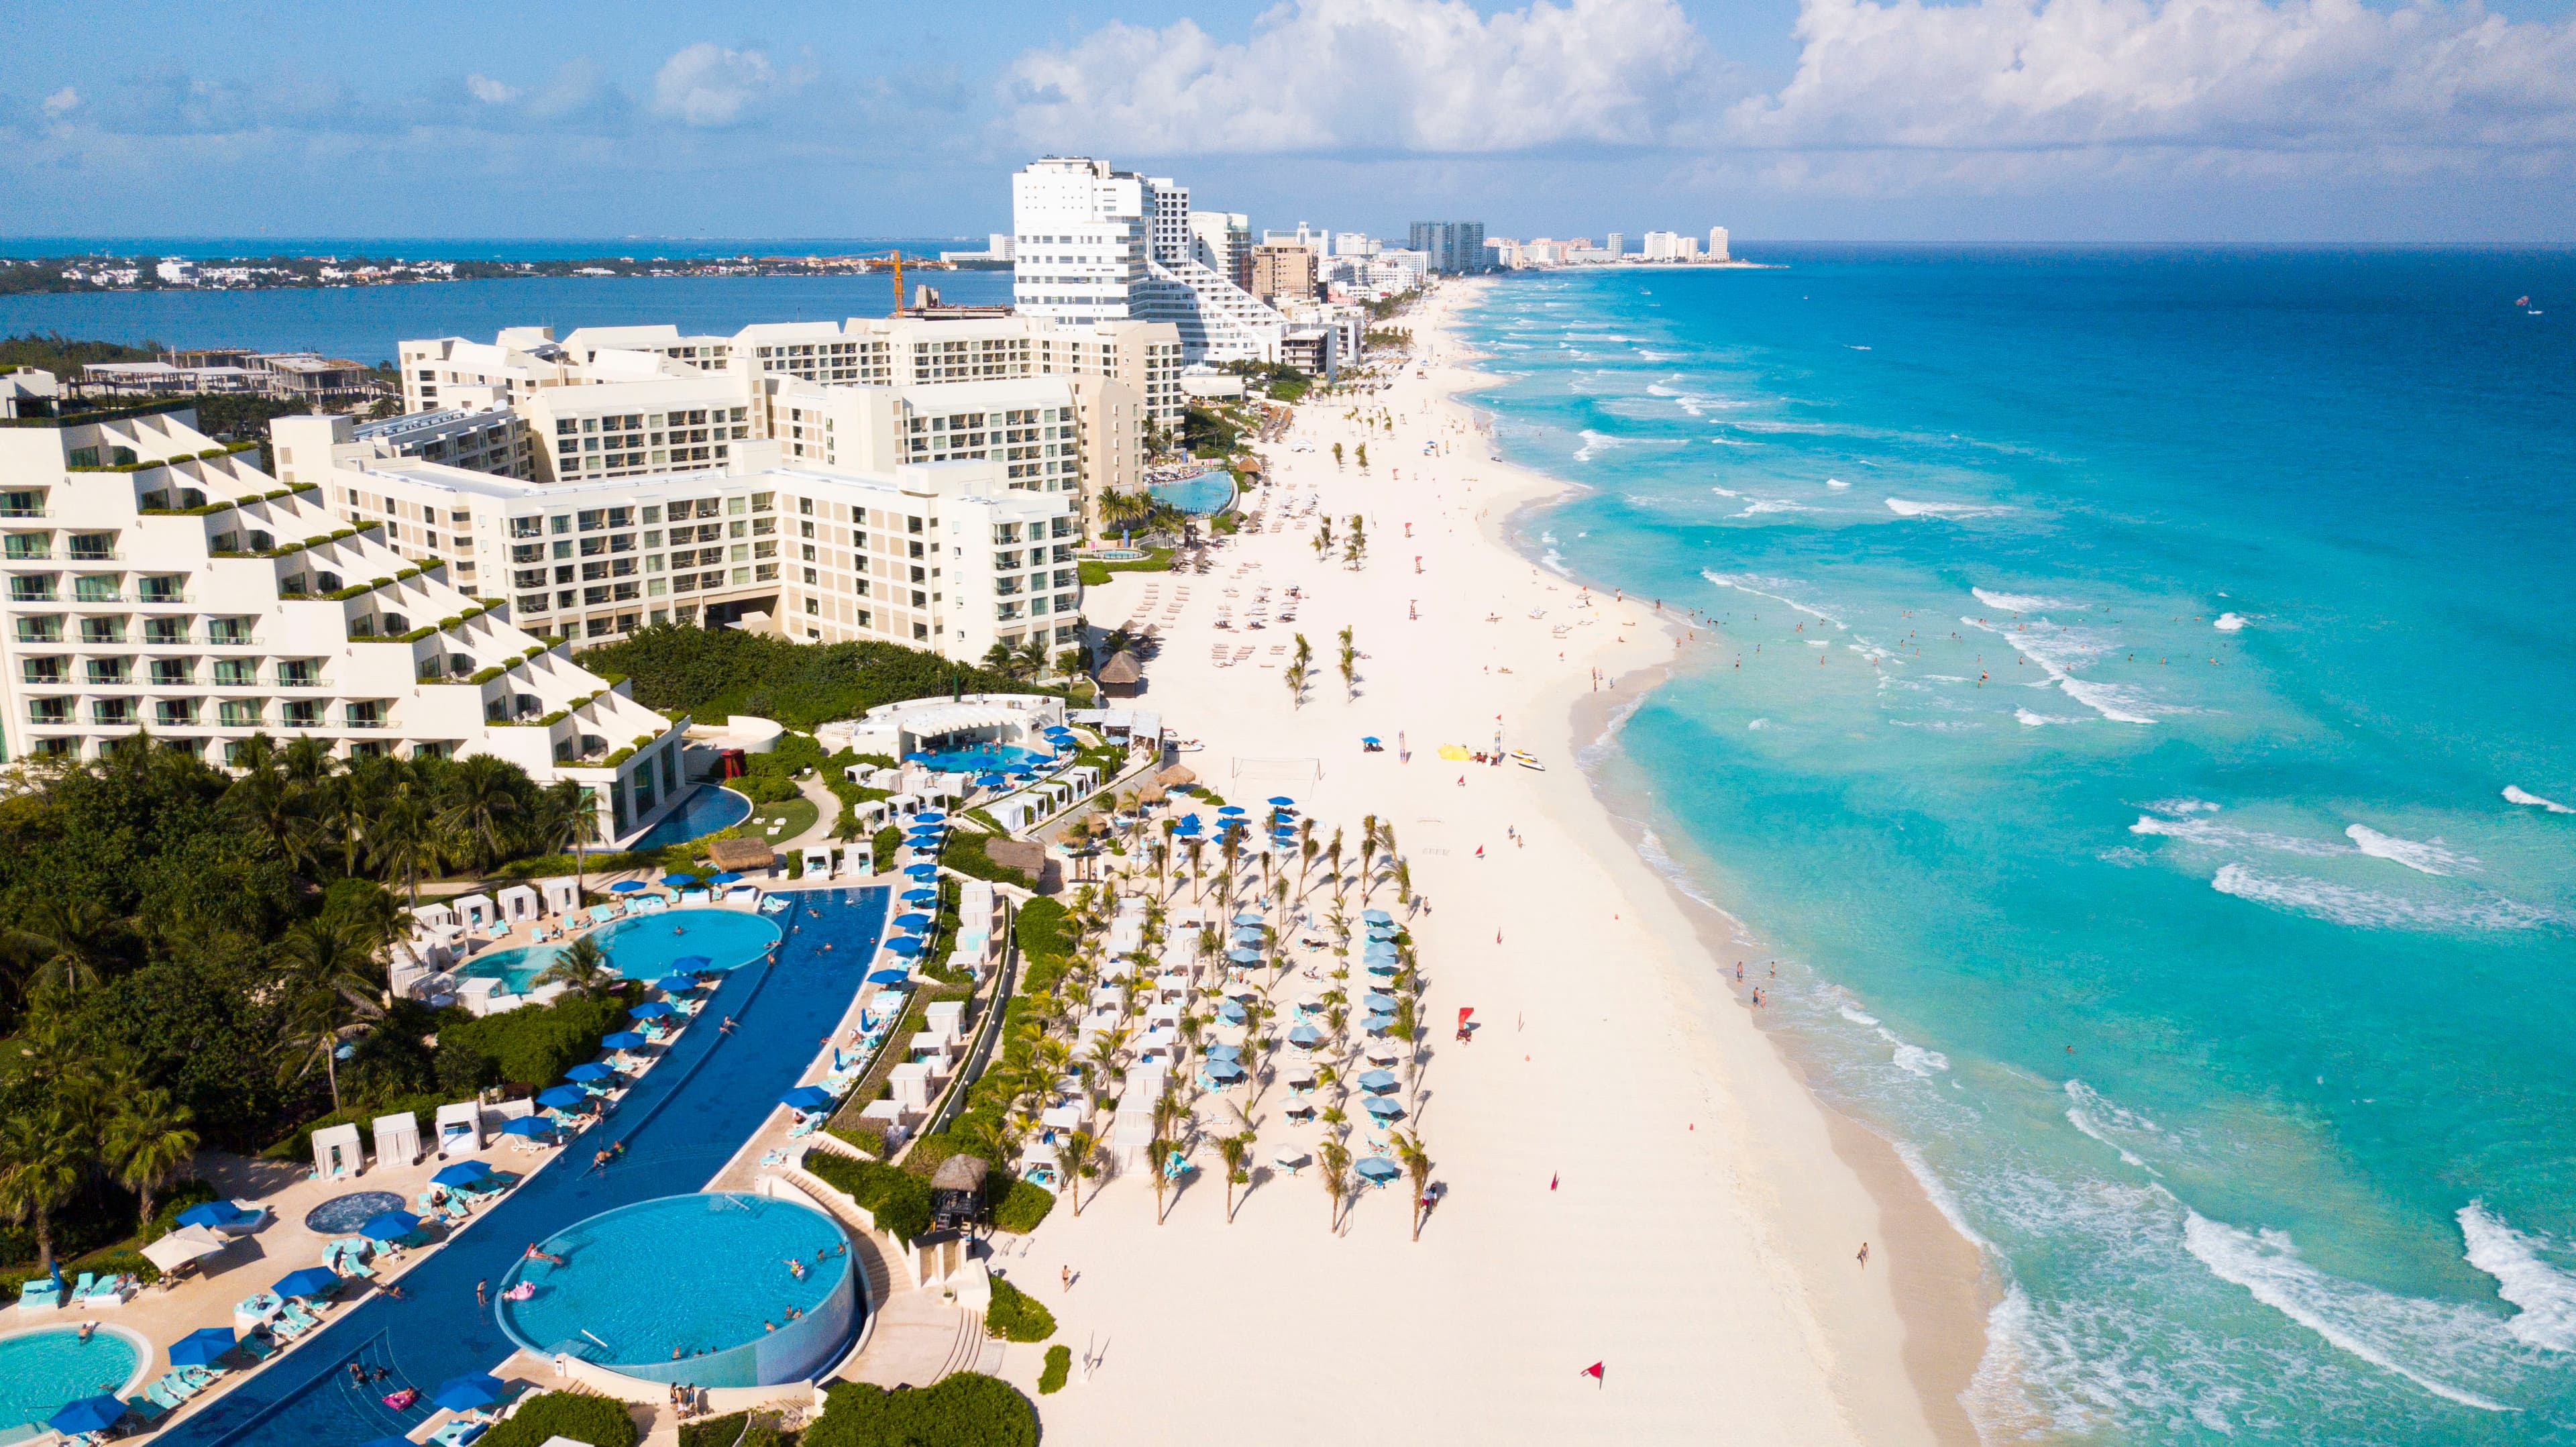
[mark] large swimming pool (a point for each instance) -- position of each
(707, 809)
(1205, 494)
(981, 759)
(692, 1289)
(643, 947)
(46, 1370)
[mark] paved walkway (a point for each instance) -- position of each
(680, 1125)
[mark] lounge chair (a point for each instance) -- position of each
(198, 1378)
(160, 1394)
(39, 1295)
(458, 1432)
(145, 1409)
(257, 1348)
(603, 913)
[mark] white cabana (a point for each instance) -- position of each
(460, 1128)
(435, 918)
(337, 1153)
(818, 860)
(474, 911)
(562, 893)
(397, 1139)
(519, 903)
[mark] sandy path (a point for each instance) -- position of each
(1700, 1236)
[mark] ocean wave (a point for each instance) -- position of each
(1761, 505)
(1858, 1016)
(2424, 857)
(2227, 836)
(1922, 1062)
(2394, 1333)
(2088, 1112)
(2229, 622)
(2370, 909)
(1726, 492)
(2516, 794)
(1747, 583)
(2183, 806)
(1759, 723)
(1651, 849)
(1904, 507)
(1836, 482)
(2059, 654)
(2545, 1294)
(2031, 720)
(2020, 602)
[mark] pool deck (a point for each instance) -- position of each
(682, 1124)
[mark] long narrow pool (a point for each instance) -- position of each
(680, 1124)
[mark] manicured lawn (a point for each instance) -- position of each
(799, 814)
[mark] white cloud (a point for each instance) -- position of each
(1413, 75)
(62, 102)
(709, 85)
(489, 91)
(2300, 77)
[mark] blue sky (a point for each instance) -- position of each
(2006, 120)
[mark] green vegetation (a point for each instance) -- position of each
(708, 673)
(600, 1421)
(898, 1199)
(739, 1429)
(1208, 432)
(967, 1409)
(1017, 1316)
(1059, 1368)
(532, 1045)
(794, 816)
(964, 852)
(1022, 1207)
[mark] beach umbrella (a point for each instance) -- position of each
(1280, 801)
(1369, 739)
(184, 1245)
(808, 1098)
(1230, 1012)
(89, 1414)
(1377, 1004)
(1378, 1169)
(592, 1070)
(679, 881)
(561, 1097)
(676, 984)
(1305, 1035)
(1231, 811)
(932, 817)
(1244, 956)
(1377, 916)
(529, 1125)
(1388, 968)
(1247, 917)
(1380, 1024)
(1377, 1081)
(1383, 1108)
(650, 1010)
(1246, 991)
(463, 1173)
(915, 923)
(908, 946)
(728, 877)
(920, 896)
(922, 871)
(626, 886)
(1223, 1051)
(1224, 1070)
(691, 964)
(889, 977)
(212, 1215)
(990, 781)
(201, 1346)
(469, 1393)
(308, 1281)
(391, 1225)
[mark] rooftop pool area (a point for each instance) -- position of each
(704, 810)
(47, 1369)
(642, 947)
(691, 1289)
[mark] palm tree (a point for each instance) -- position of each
(1404, 885)
(1160, 1150)
(42, 1160)
(1337, 456)
(404, 839)
(1335, 1160)
(572, 820)
(1073, 1156)
(149, 1139)
(1350, 657)
(1237, 1150)
(71, 938)
(582, 967)
(333, 985)
(1417, 1165)
(483, 806)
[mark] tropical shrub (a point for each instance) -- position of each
(1017, 1316)
(968, 1409)
(1022, 1207)
(599, 1421)
(535, 1044)
(898, 1199)
(1059, 1366)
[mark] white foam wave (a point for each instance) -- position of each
(1904, 507)
(2229, 622)
(1726, 492)
(2516, 794)
(2003, 602)
(1759, 723)
(2422, 856)
(2059, 654)
(1836, 482)
(2031, 720)
(2227, 836)
(1858, 1016)
(2368, 1323)
(1651, 849)
(1593, 442)
(2087, 1110)
(1922, 1062)
(2545, 1294)
(2370, 909)
(1745, 583)
(2183, 806)
(1762, 505)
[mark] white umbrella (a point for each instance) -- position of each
(181, 1246)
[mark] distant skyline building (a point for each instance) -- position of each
(1093, 244)
(1452, 246)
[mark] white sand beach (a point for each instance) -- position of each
(1632, 1173)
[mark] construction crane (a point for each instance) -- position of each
(897, 258)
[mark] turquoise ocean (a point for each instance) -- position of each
(2132, 696)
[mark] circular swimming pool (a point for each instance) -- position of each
(48, 1369)
(691, 1289)
(643, 947)
(706, 810)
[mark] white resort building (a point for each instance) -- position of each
(161, 586)
(1092, 245)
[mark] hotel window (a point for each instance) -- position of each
(49, 710)
(102, 630)
(238, 713)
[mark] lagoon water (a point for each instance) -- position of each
(2134, 686)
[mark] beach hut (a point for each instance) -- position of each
(562, 894)
(397, 1138)
(1121, 676)
(517, 904)
(818, 861)
(336, 1152)
(957, 1191)
(460, 1128)
(475, 911)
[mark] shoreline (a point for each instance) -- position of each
(1942, 1286)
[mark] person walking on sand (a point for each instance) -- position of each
(1068, 1278)
(1864, 1256)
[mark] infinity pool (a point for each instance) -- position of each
(46, 1370)
(692, 1289)
(1205, 494)
(981, 759)
(643, 947)
(703, 812)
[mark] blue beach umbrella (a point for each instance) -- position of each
(1223, 1052)
(562, 1097)
(592, 1070)
(463, 1173)
(1388, 968)
(1280, 801)
(1244, 957)
(1371, 740)
(676, 984)
(1377, 1082)
(390, 1226)
(211, 1215)
(889, 977)
(1231, 811)
(1230, 1012)
(1377, 1004)
(932, 817)
(1224, 1070)
(922, 871)
(679, 881)
(1380, 1024)
(529, 1125)
(1383, 1108)
(728, 877)
(691, 964)
(200, 1347)
(1305, 1035)
(912, 923)
(1378, 1169)
(89, 1414)
(626, 886)
(921, 896)
(469, 1393)
(807, 1098)
(990, 781)
(1377, 916)
(1247, 916)
(308, 1281)
(908, 946)
(650, 1010)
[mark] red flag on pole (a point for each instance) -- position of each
(1594, 1371)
